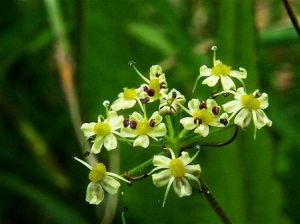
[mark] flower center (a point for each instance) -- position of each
(98, 173)
(155, 85)
(177, 168)
(221, 69)
(129, 94)
(204, 115)
(250, 102)
(142, 128)
(102, 129)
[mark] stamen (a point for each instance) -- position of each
(163, 85)
(145, 100)
(106, 103)
(126, 122)
(214, 49)
(226, 94)
(215, 110)
(174, 95)
(133, 124)
(145, 88)
(152, 123)
(257, 94)
(150, 92)
(132, 64)
(198, 121)
(224, 121)
(202, 105)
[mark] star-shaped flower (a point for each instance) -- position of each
(176, 172)
(248, 107)
(140, 127)
(169, 103)
(100, 179)
(156, 86)
(127, 99)
(223, 73)
(104, 131)
(203, 114)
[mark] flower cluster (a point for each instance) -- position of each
(171, 125)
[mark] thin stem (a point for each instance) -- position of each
(292, 16)
(213, 145)
(170, 126)
(204, 189)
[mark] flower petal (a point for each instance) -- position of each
(137, 116)
(114, 120)
(88, 129)
(158, 131)
(142, 140)
(241, 74)
(227, 82)
(211, 103)
(162, 178)
(232, 106)
(239, 93)
(155, 116)
(263, 99)
(260, 119)
(243, 118)
(110, 142)
(110, 185)
(128, 133)
(97, 145)
(182, 187)
(211, 80)
(161, 161)
(94, 193)
(203, 130)
(193, 105)
(205, 71)
(117, 105)
(188, 123)
(185, 158)
(195, 170)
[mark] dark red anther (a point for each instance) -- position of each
(202, 105)
(145, 88)
(174, 95)
(133, 124)
(197, 121)
(224, 121)
(126, 122)
(257, 95)
(152, 123)
(150, 92)
(215, 110)
(145, 100)
(157, 74)
(226, 94)
(163, 85)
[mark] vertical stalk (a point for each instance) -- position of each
(170, 127)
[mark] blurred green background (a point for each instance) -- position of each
(255, 181)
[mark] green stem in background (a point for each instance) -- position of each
(213, 201)
(170, 127)
(66, 69)
(213, 145)
(183, 133)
